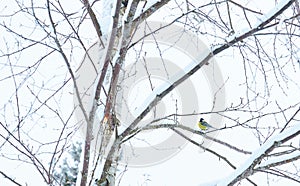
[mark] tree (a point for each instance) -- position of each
(248, 53)
(67, 175)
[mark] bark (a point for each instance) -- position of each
(90, 122)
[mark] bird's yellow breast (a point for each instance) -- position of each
(202, 127)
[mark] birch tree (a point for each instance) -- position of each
(121, 73)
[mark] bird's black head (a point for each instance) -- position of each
(201, 119)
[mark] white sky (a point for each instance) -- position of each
(191, 166)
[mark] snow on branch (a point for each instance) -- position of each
(285, 158)
(249, 166)
(265, 20)
(151, 7)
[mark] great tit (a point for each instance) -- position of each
(203, 125)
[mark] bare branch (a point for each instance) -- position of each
(172, 126)
(290, 120)
(199, 65)
(210, 151)
(10, 179)
(94, 20)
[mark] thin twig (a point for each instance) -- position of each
(290, 120)
(209, 150)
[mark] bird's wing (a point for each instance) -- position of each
(206, 124)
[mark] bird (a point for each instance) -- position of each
(203, 125)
